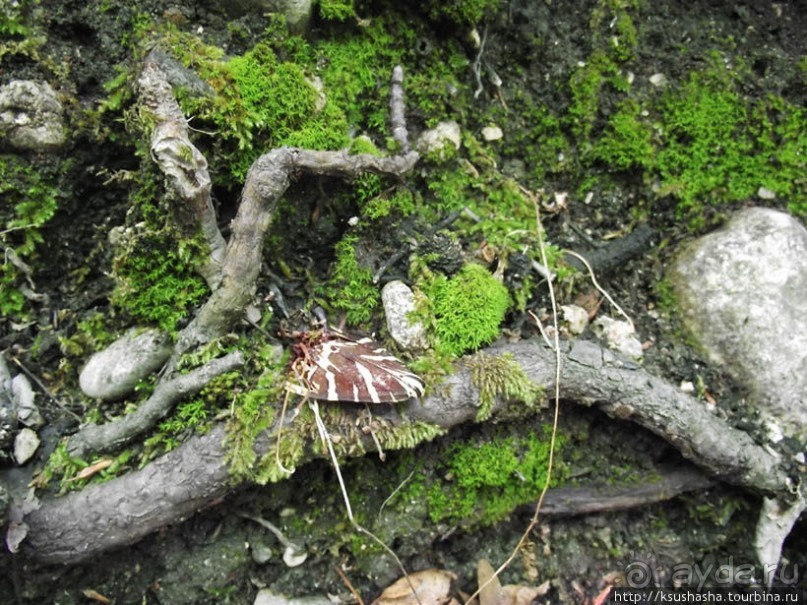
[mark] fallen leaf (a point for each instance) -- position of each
(490, 589)
(432, 587)
(95, 596)
(89, 471)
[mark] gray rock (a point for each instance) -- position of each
(114, 372)
(31, 116)
(23, 398)
(399, 301)
(8, 412)
(439, 138)
(25, 445)
(742, 292)
(618, 335)
(297, 12)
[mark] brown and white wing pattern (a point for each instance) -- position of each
(361, 371)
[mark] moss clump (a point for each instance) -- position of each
(27, 203)
(336, 10)
(501, 376)
(717, 147)
(484, 481)
(351, 288)
(155, 282)
(463, 12)
(468, 309)
(627, 141)
(259, 101)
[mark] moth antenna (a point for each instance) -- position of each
(279, 432)
(323, 433)
(381, 455)
(322, 318)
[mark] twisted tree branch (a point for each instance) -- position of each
(124, 510)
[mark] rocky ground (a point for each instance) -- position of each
(535, 65)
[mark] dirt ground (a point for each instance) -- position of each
(217, 556)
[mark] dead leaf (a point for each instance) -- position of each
(432, 586)
(490, 589)
(491, 592)
(95, 596)
(522, 595)
(89, 471)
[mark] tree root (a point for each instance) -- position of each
(115, 435)
(121, 511)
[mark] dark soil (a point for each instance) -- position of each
(212, 557)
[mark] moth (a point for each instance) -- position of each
(330, 366)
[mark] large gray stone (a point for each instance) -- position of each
(114, 372)
(743, 294)
(31, 116)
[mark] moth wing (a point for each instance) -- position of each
(373, 374)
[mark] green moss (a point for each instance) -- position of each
(718, 147)
(336, 10)
(155, 281)
(501, 376)
(351, 288)
(467, 308)
(483, 481)
(28, 200)
(19, 31)
(627, 139)
(153, 267)
(463, 12)
(259, 102)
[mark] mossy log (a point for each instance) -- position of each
(122, 511)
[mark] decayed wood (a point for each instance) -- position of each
(184, 166)
(124, 510)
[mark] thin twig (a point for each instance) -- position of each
(326, 439)
(600, 288)
(550, 463)
(348, 585)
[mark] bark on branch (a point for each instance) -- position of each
(122, 511)
(115, 435)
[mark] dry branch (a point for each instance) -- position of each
(122, 511)
(184, 166)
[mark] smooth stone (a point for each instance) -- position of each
(114, 372)
(399, 301)
(576, 317)
(25, 445)
(23, 397)
(619, 335)
(31, 116)
(742, 294)
(438, 138)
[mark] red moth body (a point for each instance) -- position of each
(332, 367)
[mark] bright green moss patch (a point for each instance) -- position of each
(468, 309)
(351, 289)
(717, 147)
(627, 141)
(483, 481)
(155, 281)
(336, 10)
(28, 200)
